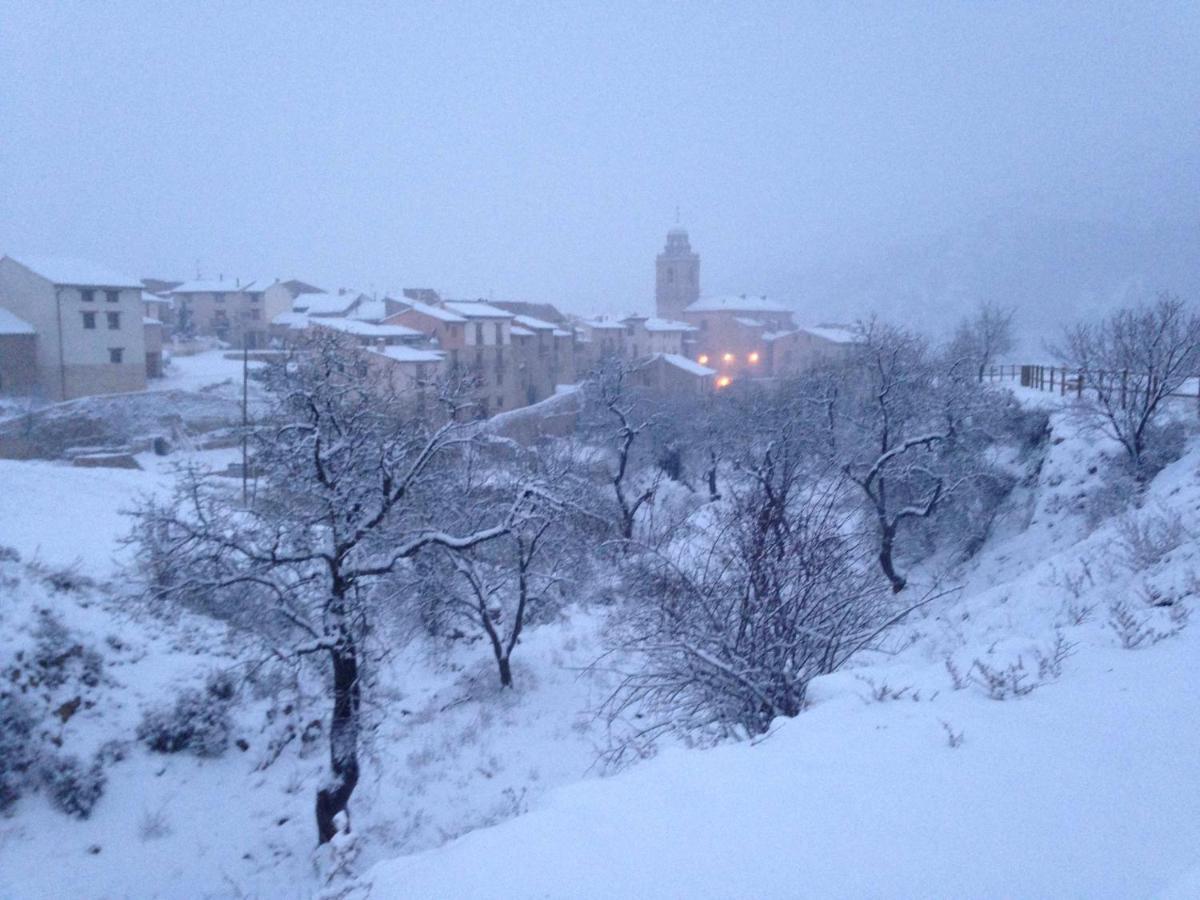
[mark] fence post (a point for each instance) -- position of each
(1079, 387)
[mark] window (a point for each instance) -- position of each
(114, 321)
(670, 275)
(499, 403)
(89, 321)
(116, 354)
(87, 294)
(499, 333)
(479, 332)
(254, 298)
(112, 296)
(219, 298)
(256, 314)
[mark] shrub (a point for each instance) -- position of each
(198, 722)
(60, 658)
(17, 753)
(73, 787)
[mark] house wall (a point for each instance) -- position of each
(801, 351)
(73, 361)
(154, 349)
(659, 375)
(18, 363)
(720, 333)
(666, 342)
(232, 315)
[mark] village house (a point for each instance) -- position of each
(237, 312)
(670, 373)
(18, 355)
(738, 336)
(477, 340)
(544, 356)
(88, 326)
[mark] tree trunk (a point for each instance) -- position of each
(886, 539)
(506, 679)
(343, 739)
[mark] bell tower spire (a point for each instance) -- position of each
(677, 274)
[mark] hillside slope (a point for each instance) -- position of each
(1061, 765)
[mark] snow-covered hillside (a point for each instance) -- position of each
(1010, 745)
(1013, 746)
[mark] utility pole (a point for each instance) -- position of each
(245, 413)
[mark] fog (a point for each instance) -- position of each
(896, 157)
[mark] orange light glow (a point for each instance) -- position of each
(702, 359)
(724, 381)
(728, 357)
(753, 357)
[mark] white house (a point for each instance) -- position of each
(88, 320)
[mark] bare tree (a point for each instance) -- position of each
(501, 585)
(889, 423)
(1129, 363)
(613, 402)
(769, 588)
(983, 338)
(348, 480)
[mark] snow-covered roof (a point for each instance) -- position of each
(737, 303)
(558, 332)
(325, 304)
(215, 286)
(434, 312)
(749, 323)
(603, 324)
(534, 324)
(147, 297)
(296, 320)
(474, 309)
(410, 354)
(667, 325)
(148, 320)
(10, 323)
(365, 329)
(76, 272)
(682, 362)
(370, 310)
(518, 331)
(835, 333)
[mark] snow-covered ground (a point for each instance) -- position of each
(202, 371)
(905, 778)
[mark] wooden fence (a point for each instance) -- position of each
(1124, 386)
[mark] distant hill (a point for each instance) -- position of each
(1051, 270)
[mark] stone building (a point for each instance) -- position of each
(88, 322)
(677, 276)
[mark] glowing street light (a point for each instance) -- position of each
(702, 359)
(753, 357)
(724, 381)
(728, 357)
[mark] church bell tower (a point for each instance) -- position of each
(677, 281)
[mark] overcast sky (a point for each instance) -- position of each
(530, 151)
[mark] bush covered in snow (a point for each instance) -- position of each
(17, 748)
(73, 787)
(197, 722)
